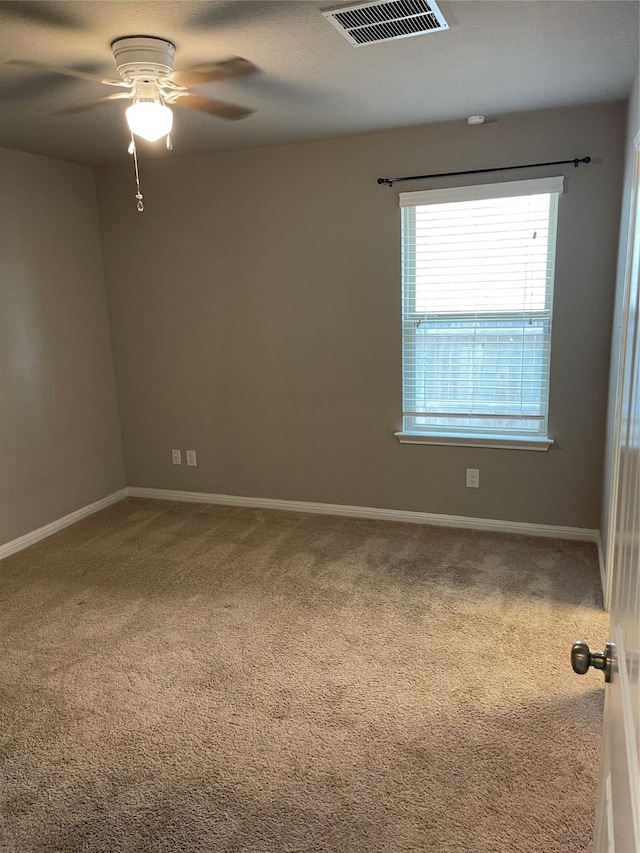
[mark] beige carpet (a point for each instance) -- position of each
(181, 677)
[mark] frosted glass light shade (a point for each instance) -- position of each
(149, 119)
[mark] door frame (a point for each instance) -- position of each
(612, 506)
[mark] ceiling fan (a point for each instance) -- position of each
(145, 66)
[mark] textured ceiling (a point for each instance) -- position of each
(497, 57)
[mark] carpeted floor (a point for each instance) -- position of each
(182, 677)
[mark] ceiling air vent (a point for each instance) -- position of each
(382, 20)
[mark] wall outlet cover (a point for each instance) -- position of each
(191, 459)
(473, 478)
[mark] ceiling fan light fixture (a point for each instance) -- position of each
(149, 119)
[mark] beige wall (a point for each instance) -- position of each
(633, 129)
(255, 316)
(59, 431)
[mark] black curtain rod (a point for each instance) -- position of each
(391, 181)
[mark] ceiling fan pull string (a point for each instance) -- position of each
(139, 196)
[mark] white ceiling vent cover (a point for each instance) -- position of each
(386, 20)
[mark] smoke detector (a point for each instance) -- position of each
(386, 20)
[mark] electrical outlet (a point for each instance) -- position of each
(473, 478)
(191, 458)
(176, 457)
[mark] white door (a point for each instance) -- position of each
(618, 812)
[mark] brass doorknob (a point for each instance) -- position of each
(582, 658)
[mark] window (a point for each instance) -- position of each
(477, 294)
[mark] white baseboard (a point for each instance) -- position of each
(60, 523)
(435, 519)
(582, 534)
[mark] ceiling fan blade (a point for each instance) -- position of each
(69, 111)
(59, 69)
(231, 13)
(211, 107)
(39, 13)
(227, 69)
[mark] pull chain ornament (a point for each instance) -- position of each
(139, 196)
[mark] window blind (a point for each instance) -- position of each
(477, 293)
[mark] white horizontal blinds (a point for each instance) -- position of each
(477, 300)
(507, 189)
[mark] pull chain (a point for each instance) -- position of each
(139, 196)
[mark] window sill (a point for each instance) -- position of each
(507, 442)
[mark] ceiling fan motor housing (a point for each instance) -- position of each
(143, 58)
